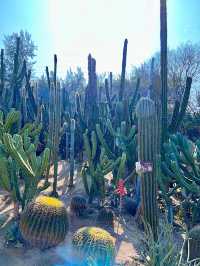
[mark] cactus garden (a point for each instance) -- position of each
(100, 169)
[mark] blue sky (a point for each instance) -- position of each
(74, 28)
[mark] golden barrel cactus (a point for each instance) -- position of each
(95, 244)
(44, 222)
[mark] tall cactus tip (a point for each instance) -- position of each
(145, 107)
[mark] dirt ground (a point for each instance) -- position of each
(128, 236)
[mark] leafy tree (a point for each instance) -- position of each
(27, 50)
(43, 89)
(183, 61)
(74, 81)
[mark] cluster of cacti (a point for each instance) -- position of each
(19, 160)
(95, 244)
(97, 166)
(78, 205)
(192, 245)
(44, 222)
(122, 140)
(180, 166)
(13, 95)
(105, 217)
(147, 153)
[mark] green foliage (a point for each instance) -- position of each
(19, 159)
(180, 167)
(27, 49)
(162, 252)
(94, 170)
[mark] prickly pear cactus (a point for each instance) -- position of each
(194, 243)
(95, 244)
(78, 205)
(105, 217)
(44, 222)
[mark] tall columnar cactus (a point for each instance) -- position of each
(90, 109)
(54, 121)
(65, 128)
(194, 243)
(2, 73)
(95, 244)
(72, 131)
(163, 62)
(111, 83)
(123, 73)
(147, 149)
(17, 78)
(44, 222)
(180, 108)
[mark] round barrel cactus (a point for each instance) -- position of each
(44, 222)
(194, 243)
(95, 244)
(78, 205)
(105, 217)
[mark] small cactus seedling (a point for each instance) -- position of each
(106, 217)
(78, 205)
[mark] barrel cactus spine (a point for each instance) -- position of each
(147, 153)
(44, 222)
(96, 244)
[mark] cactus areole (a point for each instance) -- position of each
(147, 149)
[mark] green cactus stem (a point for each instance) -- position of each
(147, 150)
(123, 73)
(163, 71)
(72, 131)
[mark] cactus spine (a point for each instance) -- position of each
(147, 149)
(72, 131)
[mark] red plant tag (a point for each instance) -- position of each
(121, 190)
